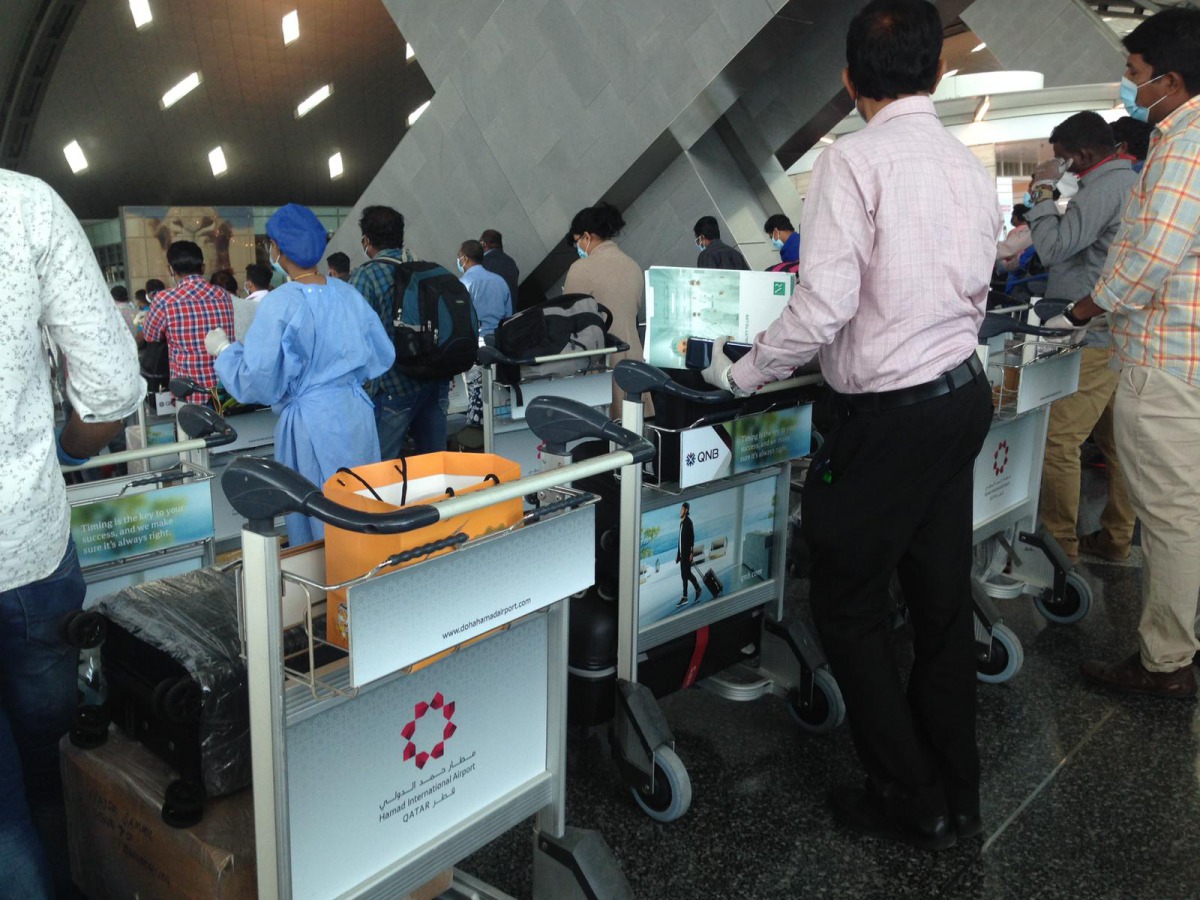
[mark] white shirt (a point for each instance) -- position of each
(899, 230)
(49, 279)
(244, 309)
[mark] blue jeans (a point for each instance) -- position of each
(422, 412)
(38, 675)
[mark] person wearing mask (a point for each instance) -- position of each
(492, 302)
(890, 490)
(715, 253)
(1073, 247)
(404, 404)
(783, 237)
(49, 281)
(1150, 290)
(496, 260)
(1016, 242)
(1133, 141)
(339, 265)
(258, 284)
(604, 271)
(314, 341)
(183, 315)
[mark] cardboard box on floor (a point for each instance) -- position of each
(121, 848)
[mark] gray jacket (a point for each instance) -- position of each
(1073, 246)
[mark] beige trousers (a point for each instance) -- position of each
(1089, 410)
(1157, 429)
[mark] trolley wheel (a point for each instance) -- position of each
(1006, 657)
(672, 794)
(1073, 605)
(825, 711)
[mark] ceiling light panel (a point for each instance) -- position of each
(311, 102)
(181, 90)
(416, 113)
(335, 166)
(409, 52)
(978, 47)
(141, 13)
(216, 159)
(75, 158)
(291, 27)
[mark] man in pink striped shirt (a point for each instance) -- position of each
(900, 228)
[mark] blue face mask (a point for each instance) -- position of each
(1027, 199)
(1129, 92)
(699, 246)
(777, 243)
(277, 267)
(461, 270)
(582, 253)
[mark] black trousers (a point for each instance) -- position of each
(888, 492)
(685, 572)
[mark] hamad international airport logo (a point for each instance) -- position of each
(420, 711)
(1000, 458)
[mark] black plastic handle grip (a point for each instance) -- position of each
(994, 325)
(559, 421)
(636, 377)
(203, 422)
(426, 549)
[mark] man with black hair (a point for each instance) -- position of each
(1016, 242)
(403, 404)
(1133, 140)
(684, 553)
(258, 285)
(496, 260)
(339, 265)
(1150, 289)
(894, 290)
(120, 295)
(183, 315)
(1073, 247)
(715, 253)
(783, 237)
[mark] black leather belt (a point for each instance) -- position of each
(962, 374)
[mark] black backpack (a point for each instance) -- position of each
(436, 329)
(565, 324)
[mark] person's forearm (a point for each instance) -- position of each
(83, 440)
(1087, 308)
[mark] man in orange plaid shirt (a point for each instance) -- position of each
(1150, 289)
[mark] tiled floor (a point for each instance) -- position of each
(1085, 794)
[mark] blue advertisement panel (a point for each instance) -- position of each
(119, 528)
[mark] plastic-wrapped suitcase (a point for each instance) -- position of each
(669, 667)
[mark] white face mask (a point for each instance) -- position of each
(1068, 185)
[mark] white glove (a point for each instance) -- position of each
(1078, 332)
(216, 341)
(718, 372)
(1049, 172)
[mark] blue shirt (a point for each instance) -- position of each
(376, 282)
(791, 248)
(490, 295)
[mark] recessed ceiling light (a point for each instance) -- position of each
(181, 90)
(335, 165)
(416, 113)
(141, 13)
(951, 73)
(982, 109)
(826, 140)
(978, 47)
(318, 96)
(291, 27)
(409, 52)
(75, 158)
(216, 159)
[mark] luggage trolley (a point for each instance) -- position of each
(445, 726)
(1014, 555)
(776, 657)
(580, 375)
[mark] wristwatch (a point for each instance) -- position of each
(1072, 318)
(1041, 192)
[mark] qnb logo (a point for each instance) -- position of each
(420, 711)
(1000, 458)
(702, 456)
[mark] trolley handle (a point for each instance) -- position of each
(261, 489)
(204, 423)
(635, 378)
(995, 324)
(490, 355)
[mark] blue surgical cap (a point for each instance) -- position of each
(299, 234)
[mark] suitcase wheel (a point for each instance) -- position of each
(178, 700)
(83, 629)
(89, 727)
(183, 804)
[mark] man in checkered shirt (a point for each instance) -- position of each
(187, 312)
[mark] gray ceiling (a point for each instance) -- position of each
(105, 91)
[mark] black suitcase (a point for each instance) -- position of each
(665, 669)
(713, 583)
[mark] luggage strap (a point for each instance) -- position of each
(693, 668)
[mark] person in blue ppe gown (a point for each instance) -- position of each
(313, 343)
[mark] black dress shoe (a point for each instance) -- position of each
(854, 808)
(968, 826)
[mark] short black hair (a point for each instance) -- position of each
(492, 238)
(686, 505)
(185, 258)
(1134, 134)
(1085, 130)
(154, 284)
(1019, 211)
(472, 250)
(338, 262)
(893, 48)
(1169, 41)
(603, 220)
(707, 228)
(780, 221)
(119, 293)
(258, 275)
(140, 295)
(383, 227)
(223, 278)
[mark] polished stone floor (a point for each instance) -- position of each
(1085, 794)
